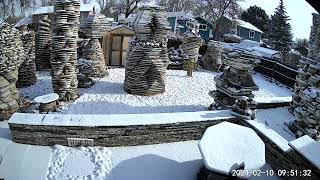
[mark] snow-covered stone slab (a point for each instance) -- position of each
(225, 145)
(272, 135)
(46, 98)
(308, 148)
(118, 119)
(286, 99)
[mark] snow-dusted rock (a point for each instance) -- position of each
(46, 98)
(225, 144)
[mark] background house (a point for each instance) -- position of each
(248, 31)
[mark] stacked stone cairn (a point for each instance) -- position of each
(177, 57)
(11, 56)
(147, 60)
(212, 59)
(64, 48)
(191, 43)
(85, 72)
(27, 71)
(43, 43)
(94, 27)
(236, 80)
(306, 96)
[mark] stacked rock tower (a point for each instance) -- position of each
(43, 43)
(190, 44)
(64, 48)
(306, 96)
(212, 59)
(27, 71)
(236, 80)
(145, 69)
(94, 27)
(11, 56)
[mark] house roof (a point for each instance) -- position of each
(248, 25)
(50, 9)
(180, 15)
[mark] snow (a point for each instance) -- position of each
(79, 163)
(271, 134)
(46, 98)
(226, 144)
(273, 99)
(118, 119)
(308, 148)
(248, 26)
(276, 119)
(265, 52)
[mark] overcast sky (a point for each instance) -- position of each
(299, 11)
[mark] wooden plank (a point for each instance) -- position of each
(115, 58)
(116, 43)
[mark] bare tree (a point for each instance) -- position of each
(187, 6)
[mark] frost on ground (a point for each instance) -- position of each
(79, 163)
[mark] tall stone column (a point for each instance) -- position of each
(11, 56)
(27, 71)
(64, 49)
(43, 43)
(145, 69)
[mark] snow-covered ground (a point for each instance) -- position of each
(183, 94)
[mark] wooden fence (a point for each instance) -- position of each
(277, 71)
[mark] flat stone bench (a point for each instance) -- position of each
(114, 129)
(272, 102)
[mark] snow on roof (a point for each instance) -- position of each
(24, 21)
(248, 26)
(180, 15)
(50, 9)
(265, 52)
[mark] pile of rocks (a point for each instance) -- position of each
(85, 73)
(147, 55)
(43, 43)
(64, 48)
(94, 27)
(231, 38)
(191, 43)
(212, 59)
(27, 71)
(306, 96)
(177, 57)
(11, 56)
(236, 80)
(93, 53)
(306, 99)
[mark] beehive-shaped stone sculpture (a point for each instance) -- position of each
(27, 71)
(11, 56)
(64, 48)
(145, 69)
(43, 43)
(212, 59)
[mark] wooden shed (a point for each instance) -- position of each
(115, 45)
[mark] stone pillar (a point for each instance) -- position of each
(64, 49)
(190, 44)
(27, 71)
(43, 43)
(11, 56)
(145, 69)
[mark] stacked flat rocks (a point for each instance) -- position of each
(64, 48)
(306, 96)
(95, 26)
(11, 56)
(177, 57)
(212, 59)
(27, 71)
(43, 43)
(236, 80)
(306, 99)
(190, 44)
(85, 73)
(147, 58)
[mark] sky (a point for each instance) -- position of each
(299, 11)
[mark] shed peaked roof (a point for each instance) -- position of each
(248, 26)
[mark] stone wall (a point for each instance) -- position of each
(112, 135)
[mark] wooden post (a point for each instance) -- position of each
(190, 67)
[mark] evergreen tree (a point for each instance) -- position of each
(258, 17)
(280, 30)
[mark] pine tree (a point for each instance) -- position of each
(280, 30)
